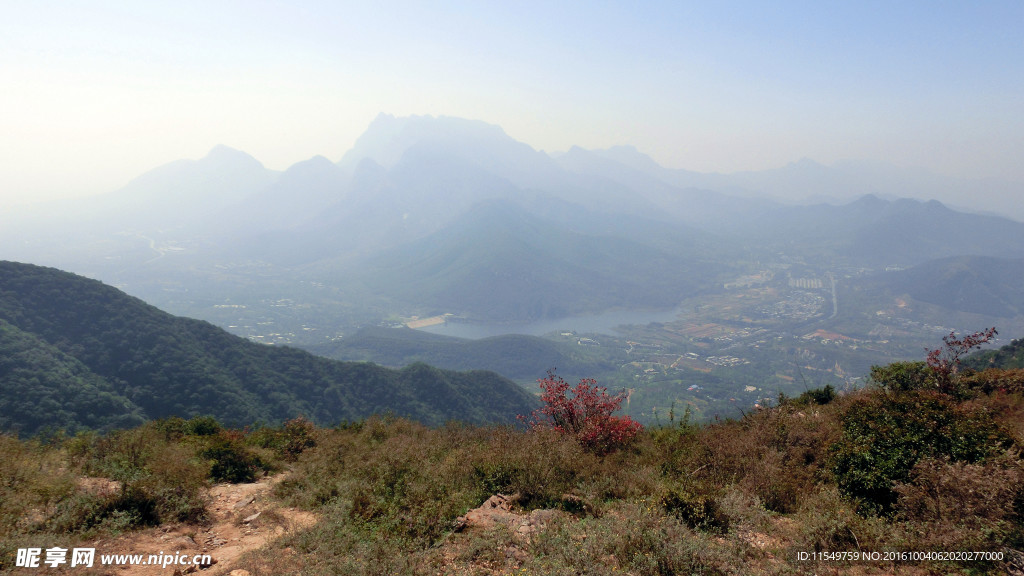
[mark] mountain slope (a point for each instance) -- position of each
(874, 232)
(626, 173)
(121, 230)
(1009, 357)
(297, 196)
(499, 262)
(180, 192)
(516, 356)
(166, 365)
(974, 284)
(388, 139)
(42, 387)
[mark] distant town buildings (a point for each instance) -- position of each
(806, 283)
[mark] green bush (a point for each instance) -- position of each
(82, 512)
(176, 427)
(903, 376)
(202, 426)
(820, 396)
(293, 438)
(701, 512)
(231, 460)
(885, 435)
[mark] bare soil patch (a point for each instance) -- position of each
(243, 517)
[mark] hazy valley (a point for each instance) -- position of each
(451, 226)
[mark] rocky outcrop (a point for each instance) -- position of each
(497, 511)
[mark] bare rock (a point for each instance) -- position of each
(497, 511)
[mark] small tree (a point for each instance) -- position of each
(945, 362)
(586, 414)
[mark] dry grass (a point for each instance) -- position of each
(735, 497)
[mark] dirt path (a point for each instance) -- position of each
(243, 517)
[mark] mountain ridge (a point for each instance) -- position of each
(160, 365)
(407, 189)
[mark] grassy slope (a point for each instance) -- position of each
(734, 497)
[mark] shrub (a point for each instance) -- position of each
(160, 480)
(819, 396)
(996, 380)
(32, 480)
(176, 483)
(699, 512)
(940, 370)
(390, 478)
(586, 415)
(175, 427)
(903, 376)
(884, 437)
(540, 466)
(298, 435)
(288, 441)
(777, 455)
(232, 461)
(945, 362)
(827, 523)
(637, 538)
(82, 512)
(959, 492)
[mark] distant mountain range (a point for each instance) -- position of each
(808, 182)
(75, 353)
(433, 215)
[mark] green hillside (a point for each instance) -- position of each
(65, 336)
(515, 356)
(1009, 357)
(41, 385)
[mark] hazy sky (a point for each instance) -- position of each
(93, 93)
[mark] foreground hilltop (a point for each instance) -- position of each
(901, 477)
(75, 353)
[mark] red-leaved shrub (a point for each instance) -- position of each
(586, 414)
(945, 361)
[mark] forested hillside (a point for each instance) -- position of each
(77, 353)
(516, 356)
(1009, 357)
